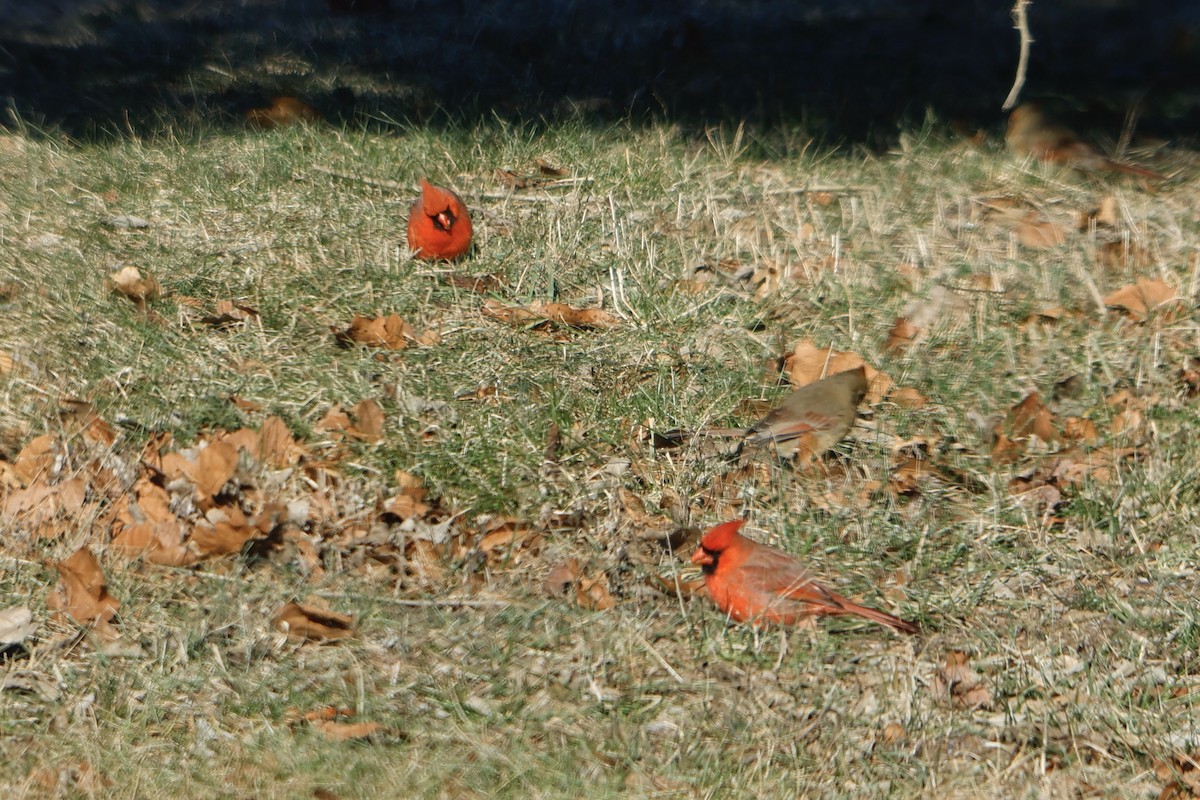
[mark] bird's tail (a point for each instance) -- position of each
(1133, 169)
(875, 615)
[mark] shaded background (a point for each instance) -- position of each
(849, 71)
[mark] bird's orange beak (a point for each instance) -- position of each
(701, 557)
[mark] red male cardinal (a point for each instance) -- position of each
(759, 584)
(1030, 133)
(438, 224)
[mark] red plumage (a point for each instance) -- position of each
(439, 226)
(760, 584)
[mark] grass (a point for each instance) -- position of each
(1082, 628)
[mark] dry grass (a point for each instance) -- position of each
(1083, 628)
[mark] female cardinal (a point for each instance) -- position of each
(804, 425)
(759, 584)
(1031, 134)
(438, 224)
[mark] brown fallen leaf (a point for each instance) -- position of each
(481, 284)
(368, 421)
(1030, 417)
(674, 586)
(345, 731)
(310, 623)
(282, 112)
(36, 459)
(958, 682)
(82, 593)
(410, 498)
(223, 538)
(129, 281)
(560, 313)
(1141, 297)
(808, 363)
(213, 468)
(390, 332)
(593, 594)
(276, 443)
(901, 336)
(1037, 232)
(547, 167)
(561, 578)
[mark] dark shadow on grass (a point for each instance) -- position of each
(849, 70)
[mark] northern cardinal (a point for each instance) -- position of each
(282, 112)
(760, 584)
(807, 422)
(1030, 133)
(438, 224)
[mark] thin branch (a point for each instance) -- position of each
(443, 602)
(1022, 25)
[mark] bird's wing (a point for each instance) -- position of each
(773, 571)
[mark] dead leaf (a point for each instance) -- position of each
(907, 397)
(492, 282)
(282, 112)
(16, 625)
(893, 733)
(390, 332)
(36, 459)
(345, 731)
(548, 168)
(560, 313)
(82, 593)
(409, 501)
(808, 363)
(675, 586)
(562, 577)
(1032, 417)
(222, 538)
(213, 468)
(278, 446)
(1037, 232)
(310, 623)
(901, 336)
(368, 421)
(593, 594)
(129, 282)
(1141, 297)
(1080, 429)
(335, 420)
(957, 681)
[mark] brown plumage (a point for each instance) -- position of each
(1031, 134)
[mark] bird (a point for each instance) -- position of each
(282, 112)
(760, 584)
(806, 423)
(439, 226)
(1031, 134)
(816, 416)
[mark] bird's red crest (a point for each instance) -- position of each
(722, 536)
(435, 198)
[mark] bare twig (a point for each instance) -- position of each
(1022, 24)
(1131, 120)
(380, 182)
(441, 602)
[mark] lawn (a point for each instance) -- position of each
(490, 553)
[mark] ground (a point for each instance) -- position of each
(489, 549)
